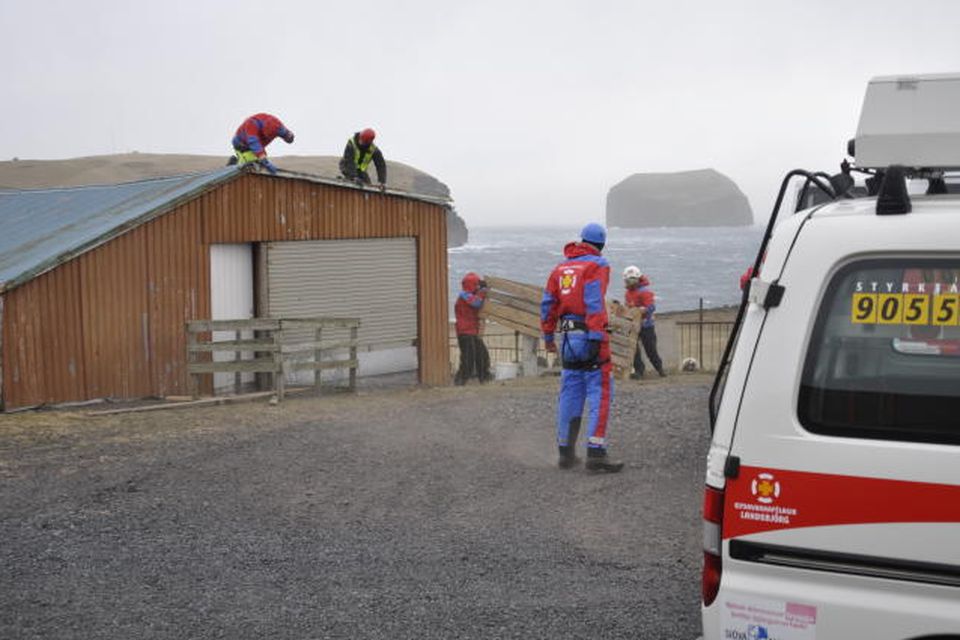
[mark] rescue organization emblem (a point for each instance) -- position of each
(568, 278)
(765, 488)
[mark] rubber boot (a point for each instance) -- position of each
(568, 453)
(599, 462)
(568, 458)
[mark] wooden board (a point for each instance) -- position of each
(516, 305)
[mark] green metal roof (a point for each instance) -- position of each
(42, 228)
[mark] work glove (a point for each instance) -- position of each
(269, 166)
(482, 284)
(288, 137)
(550, 346)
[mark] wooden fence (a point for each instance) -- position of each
(275, 349)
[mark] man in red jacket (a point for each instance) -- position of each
(253, 136)
(474, 357)
(574, 305)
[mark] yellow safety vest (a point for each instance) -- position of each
(362, 160)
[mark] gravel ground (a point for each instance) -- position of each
(424, 513)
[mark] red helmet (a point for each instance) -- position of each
(470, 282)
(367, 136)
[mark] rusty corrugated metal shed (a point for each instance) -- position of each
(109, 320)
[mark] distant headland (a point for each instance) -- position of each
(701, 198)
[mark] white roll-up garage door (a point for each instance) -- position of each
(374, 280)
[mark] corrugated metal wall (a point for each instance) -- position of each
(110, 323)
(347, 278)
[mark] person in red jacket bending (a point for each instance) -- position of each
(253, 136)
(474, 358)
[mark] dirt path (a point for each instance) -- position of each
(427, 513)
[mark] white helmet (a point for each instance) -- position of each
(632, 273)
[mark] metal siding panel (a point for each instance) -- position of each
(172, 257)
(61, 354)
(115, 319)
(344, 278)
(20, 386)
(42, 354)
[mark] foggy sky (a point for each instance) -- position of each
(529, 111)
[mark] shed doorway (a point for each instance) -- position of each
(374, 280)
(231, 298)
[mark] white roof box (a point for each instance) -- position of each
(912, 121)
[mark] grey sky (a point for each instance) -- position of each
(529, 111)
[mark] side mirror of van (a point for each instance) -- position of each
(841, 184)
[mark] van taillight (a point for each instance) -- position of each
(712, 543)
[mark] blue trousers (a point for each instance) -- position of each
(585, 386)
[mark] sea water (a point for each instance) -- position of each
(683, 264)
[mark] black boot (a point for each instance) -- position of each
(568, 453)
(598, 462)
(568, 458)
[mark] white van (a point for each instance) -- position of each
(832, 499)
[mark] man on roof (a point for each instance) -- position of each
(252, 137)
(358, 154)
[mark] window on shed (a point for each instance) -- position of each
(884, 359)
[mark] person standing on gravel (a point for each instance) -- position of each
(638, 295)
(574, 305)
(474, 357)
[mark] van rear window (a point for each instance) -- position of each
(884, 359)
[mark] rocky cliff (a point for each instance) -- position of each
(702, 198)
(38, 174)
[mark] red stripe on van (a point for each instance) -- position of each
(762, 499)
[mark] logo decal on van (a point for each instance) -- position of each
(764, 499)
(765, 488)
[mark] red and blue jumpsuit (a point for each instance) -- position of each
(257, 132)
(574, 306)
(474, 357)
(642, 296)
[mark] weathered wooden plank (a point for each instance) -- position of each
(314, 345)
(514, 302)
(260, 365)
(319, 322)
(258, 344)
(494, 309)
(525, 330)
(254, 324)
(529, 292)
(329, 364)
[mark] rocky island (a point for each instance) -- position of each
(701, 198)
